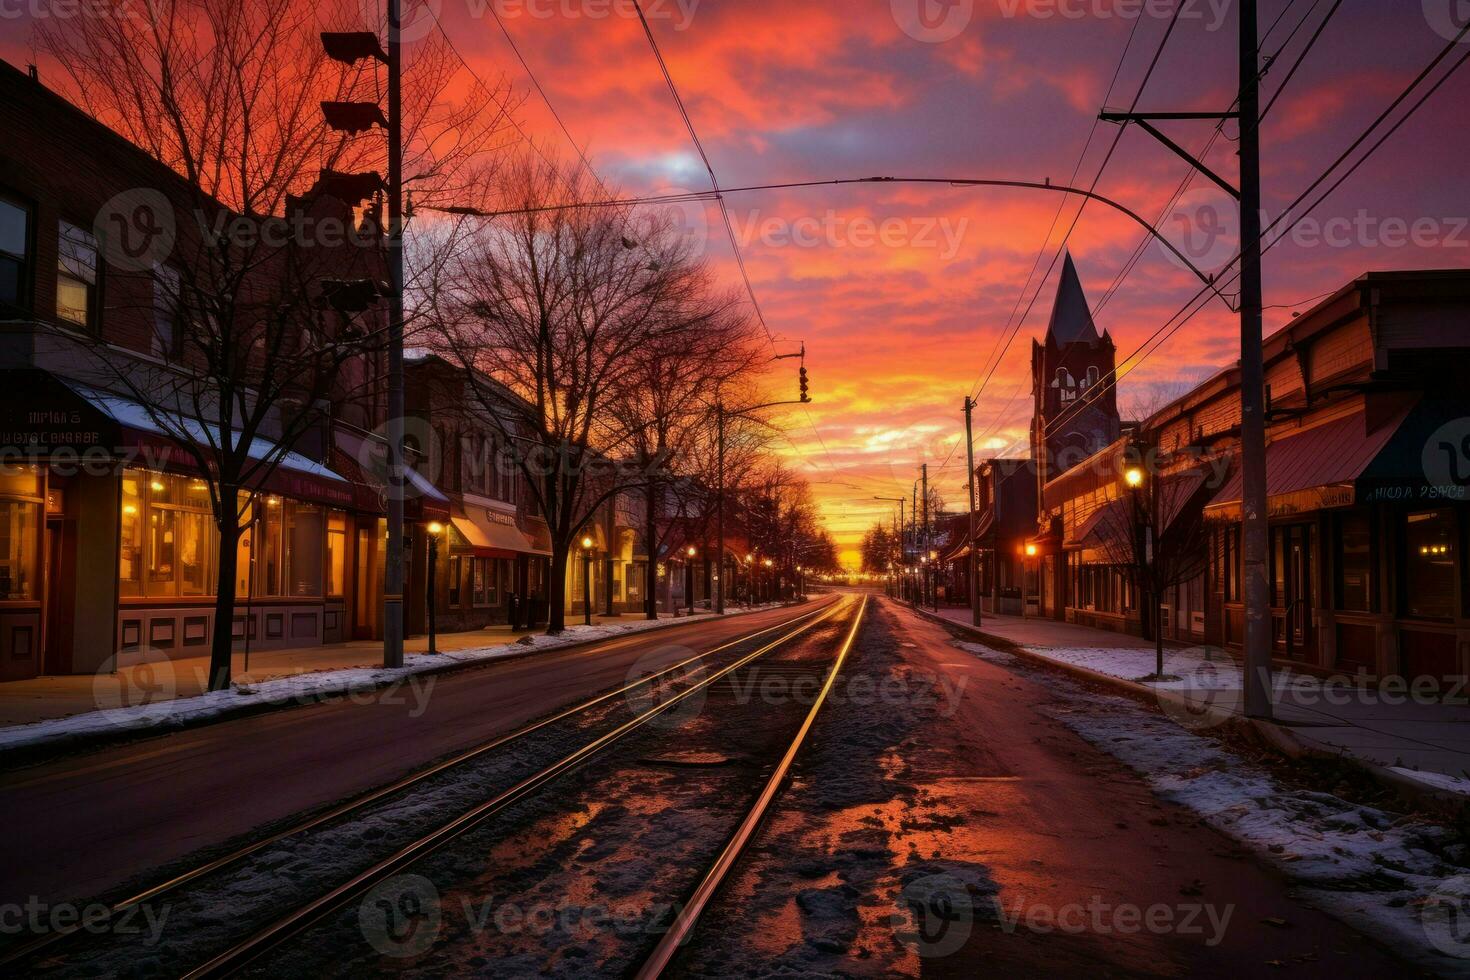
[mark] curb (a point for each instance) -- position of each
(64, 745)
(1287, 741)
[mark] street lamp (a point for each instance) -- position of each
(587, 543)
(770, 582)
(690, 552)
(435, 529)
(1134, 477)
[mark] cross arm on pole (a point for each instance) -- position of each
(1142, 119)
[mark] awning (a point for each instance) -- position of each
(490, 533)
(1320, 468)
(54, 415)
(1107, 527)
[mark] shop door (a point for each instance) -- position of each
(55, 629)
(365, 591)
(1294, 593)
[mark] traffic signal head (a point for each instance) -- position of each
(804, 395)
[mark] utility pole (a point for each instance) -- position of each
(974, 562)
(393, 570)
(720, 416)
(928, 586)
(914, 539)
(720, 507)
(1255, 529)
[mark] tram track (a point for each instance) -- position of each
(49, 952)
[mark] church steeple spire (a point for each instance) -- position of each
(1071, 320)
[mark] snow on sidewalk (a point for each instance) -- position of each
(162, 714)
(1395, 877)
(1203, 687)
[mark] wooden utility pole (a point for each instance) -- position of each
(1254, 529)
(720, 507)
(393, 566)
(930, 579)
(974, 562)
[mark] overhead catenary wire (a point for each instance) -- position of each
(1166, 330)
(1014, 330)
(999, 419)
(719, 198)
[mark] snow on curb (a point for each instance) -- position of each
(170, 715)
(1434, 780)
(1393, 877)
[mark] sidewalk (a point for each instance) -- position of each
(48, 714)
(44, 698)
(1416, 738)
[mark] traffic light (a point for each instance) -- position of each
(804, 396)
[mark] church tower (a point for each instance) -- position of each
(1067, 424)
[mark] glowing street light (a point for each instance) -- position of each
(435, 529)
(587, 544)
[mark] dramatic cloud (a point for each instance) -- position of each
(902, 293)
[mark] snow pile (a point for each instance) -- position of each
(1389, 875)
(168, 714)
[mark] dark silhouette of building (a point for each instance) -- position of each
(1075, 411)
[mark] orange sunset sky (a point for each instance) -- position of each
(905, 295)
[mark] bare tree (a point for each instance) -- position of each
(261, 287)
(557, 306)
(667, 405)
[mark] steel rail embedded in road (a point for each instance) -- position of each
(683, 925)
(23, 951)
(274, 934)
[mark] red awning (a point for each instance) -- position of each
(491, 533)
(1314, 468)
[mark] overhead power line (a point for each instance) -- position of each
(1170, 326)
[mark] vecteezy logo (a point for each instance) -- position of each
(401, 917)
(1204, 226)
(423, 455)
(1446, 458)
(934, 915)
(659, 690)
(1445, 917)
(682, 225)
(1204, 699)
(139, 677)
(1449, 18)
(137, 229)
(933, 21)
(417, 18)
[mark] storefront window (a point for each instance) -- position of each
(130, 547)
(162, 536)
(18, 549)
(1431, 552)
(337, 554)
(270, 558)
(1355, 563)
(168, 537)
(245, 550)
(456, 571)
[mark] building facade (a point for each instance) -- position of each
(108, 550)
(1368, 471)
